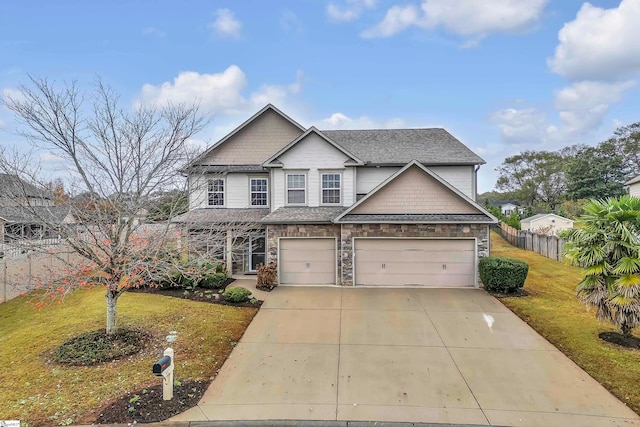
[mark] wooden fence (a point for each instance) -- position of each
(549, 246)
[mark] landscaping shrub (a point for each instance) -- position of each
(213, 281)
(267, 275)
(237, 295)
(503, 274)
(96, 347)
(194, 272)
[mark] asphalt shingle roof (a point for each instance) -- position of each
(34, 214)
(419, 218)
(221, 215)
(303, 215)
(13, 187)
(433, 146)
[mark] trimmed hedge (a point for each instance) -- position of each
(503, 274)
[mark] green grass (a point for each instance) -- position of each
(41, 392)
(553, 310)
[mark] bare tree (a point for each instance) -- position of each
(116, 160)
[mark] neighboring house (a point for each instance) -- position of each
(634, 186)
(18, 222)
(548, 223)
(390, 207)
(509, 207)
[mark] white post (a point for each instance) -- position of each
(167, 378)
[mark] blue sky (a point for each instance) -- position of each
(501, 75)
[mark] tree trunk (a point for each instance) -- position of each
(626, 330)
(112, 299)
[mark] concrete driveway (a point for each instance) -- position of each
(405, 355)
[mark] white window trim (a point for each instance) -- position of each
(286, 188)
(328, 172)
(251, 192)
(224, 192)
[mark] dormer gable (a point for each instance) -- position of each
(320, 142)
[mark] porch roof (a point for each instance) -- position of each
(306, 215)
(221, 215)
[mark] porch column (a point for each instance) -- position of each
(229, 252)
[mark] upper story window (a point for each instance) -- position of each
(330, 188)
(259, 195)
(296, 189)
(215, 192)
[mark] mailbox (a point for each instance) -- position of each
(164, 368)
(161, 365)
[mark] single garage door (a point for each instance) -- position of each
(415, 262)
(307, 261)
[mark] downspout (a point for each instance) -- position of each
(475, 182)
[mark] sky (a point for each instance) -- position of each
(503, 76)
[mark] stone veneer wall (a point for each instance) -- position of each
(274, 231)
(346, 232)
(349, 231)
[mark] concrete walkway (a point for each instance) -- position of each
(402, 355)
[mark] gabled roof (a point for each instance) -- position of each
(12, 186)
(633, 180)
(432, 146)
(536, 217)
(505, 202)
(343, 217)
(268, 107)
(271, 160)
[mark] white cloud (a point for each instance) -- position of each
(600, 44)
(341, 121)
(397, 19)
(153, 31)
(583, 105)
(467, 18)
(351, 11)
(521, 125)
(289, 22)
(2, 124)
(226, 25)
(220, 93)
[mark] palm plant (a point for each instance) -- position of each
(606, 245)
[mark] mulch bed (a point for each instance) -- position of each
(515, 294)
(621, 340)
(147, 406)
(198, 294)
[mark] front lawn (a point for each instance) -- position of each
(38, 391)
(553, 310)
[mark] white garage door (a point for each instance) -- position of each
(307, 261)
(415, 262)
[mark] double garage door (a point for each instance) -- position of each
(381, 262)
(414, 262)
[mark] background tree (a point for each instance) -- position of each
(606, 245)
(118, 157)
(626, 139)
(596, 172)
(534, 176)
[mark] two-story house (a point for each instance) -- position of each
(387, 207)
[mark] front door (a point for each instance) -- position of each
(256, 252)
